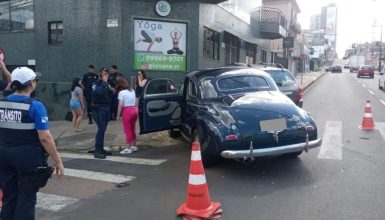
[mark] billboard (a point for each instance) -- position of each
(331, 20)
(159, 45)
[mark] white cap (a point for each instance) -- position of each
(23, 74)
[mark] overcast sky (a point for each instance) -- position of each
(355, 20)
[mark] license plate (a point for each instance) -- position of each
(273, 125)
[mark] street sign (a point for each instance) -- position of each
(288, 42)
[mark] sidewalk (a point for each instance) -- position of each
(68, 140)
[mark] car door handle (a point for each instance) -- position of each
(162, 108)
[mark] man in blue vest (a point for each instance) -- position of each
(24, 143)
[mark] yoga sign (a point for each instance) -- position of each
(160, 45)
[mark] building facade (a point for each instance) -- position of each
(60, 38)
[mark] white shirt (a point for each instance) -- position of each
(128, 97)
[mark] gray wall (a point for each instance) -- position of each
(87, 40)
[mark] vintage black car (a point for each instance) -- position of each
(235, 112)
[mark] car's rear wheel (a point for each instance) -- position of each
(294, 154)
(206, 141)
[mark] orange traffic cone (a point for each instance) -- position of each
(367, 121)
(198, 204)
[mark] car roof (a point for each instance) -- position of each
(221, 71)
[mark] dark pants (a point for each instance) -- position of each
(114, 107)
(102, 118)
(18, 201)
(89, 107)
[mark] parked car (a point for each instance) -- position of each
(365, 70)
(336, 69)
(286, 83)
(235, 113)
(346, 66)
(328, 69)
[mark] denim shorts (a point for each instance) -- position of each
(75, 104)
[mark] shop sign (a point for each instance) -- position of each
(160, 45)
(163, 8)
(288, 42)
(112, 23)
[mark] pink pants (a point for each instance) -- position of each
(130, 114)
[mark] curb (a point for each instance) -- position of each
(310, 84)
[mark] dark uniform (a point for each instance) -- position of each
(87, 81)
(20, 154)
(102, 99)
(114, 96)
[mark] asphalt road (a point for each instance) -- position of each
(343, 179)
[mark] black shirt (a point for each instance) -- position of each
(87, 81)
(3, 85)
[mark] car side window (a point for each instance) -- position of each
(160, 87)
(192, 90)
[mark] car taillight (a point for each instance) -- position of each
(231, 137)
(299, 94)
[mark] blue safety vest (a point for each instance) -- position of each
(16, 127)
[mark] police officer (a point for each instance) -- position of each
(24, 142)
(114, 97)
(87, 80)
(102, 99)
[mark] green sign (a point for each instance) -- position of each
(160, 62)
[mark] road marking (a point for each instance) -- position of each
(129, 160)
(371, 92)
(331, 147)
(381, 127)
(52, 202)
(363, 85)
(382, 102)
(106, 177)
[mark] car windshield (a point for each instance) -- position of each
(212, 88)
(281, 77)
(366, 67)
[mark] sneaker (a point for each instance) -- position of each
(126, 151)
(90, 122)
(134, 148)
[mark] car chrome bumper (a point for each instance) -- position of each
(238, 154)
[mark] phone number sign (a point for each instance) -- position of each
(160, 62)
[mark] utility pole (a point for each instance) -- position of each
(380, 57)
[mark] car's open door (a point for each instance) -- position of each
(160, 106)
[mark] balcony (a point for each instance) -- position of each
(295, 27)
(270, 21)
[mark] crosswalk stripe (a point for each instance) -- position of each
(106, 177)
(331, 147)
(52, 202)
(129, 160)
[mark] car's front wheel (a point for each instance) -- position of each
(379, 84)
(206, 141)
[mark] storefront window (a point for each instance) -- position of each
(264, 56)
(251, 52)
(232, 48)
(211, 44)
(16, 15)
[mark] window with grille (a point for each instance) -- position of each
(55, 32)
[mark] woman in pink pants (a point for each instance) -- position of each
(129, 111)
